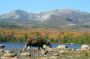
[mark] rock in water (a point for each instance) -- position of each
(62, 46)
(2, 46)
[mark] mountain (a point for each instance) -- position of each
(58, 18)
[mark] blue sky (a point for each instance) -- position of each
(43, 5)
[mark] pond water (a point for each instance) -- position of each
(9, 45)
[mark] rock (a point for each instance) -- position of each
(8, 51)
(53, 57)
(41, 58)
(69, 49)
(51, 50)
(55, 54)
(1, 50)
(62, 51)
(45, 46)
(85, 47)
(2, 46)
(47, 49)
(9, 55)
(62, 46)
(25, 54)
(78, 49)
(72, 43)
(73, 49)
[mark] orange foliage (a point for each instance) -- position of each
(51, 34)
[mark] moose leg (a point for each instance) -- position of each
(38, 50)
(43, 50)
(25, 47)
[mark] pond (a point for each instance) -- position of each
(9, 45)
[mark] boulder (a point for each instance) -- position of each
(78, 49)
(8, 51)
(62, 46)
(85, 47)
(48, 48)
(51, 50)
(25, 54)
(1, 50)
(62, 51)
(2, 46)
(55, 54)
(9, 54)
(45, 46)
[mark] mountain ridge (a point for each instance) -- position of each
(57, 18)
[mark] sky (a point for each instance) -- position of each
(43, 5)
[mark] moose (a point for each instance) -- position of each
(37, 43)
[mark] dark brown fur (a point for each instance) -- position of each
(36, 43)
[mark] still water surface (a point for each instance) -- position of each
(9, 45)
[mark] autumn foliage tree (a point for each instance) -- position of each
(53, 36)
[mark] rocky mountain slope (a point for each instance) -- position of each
(58, 18)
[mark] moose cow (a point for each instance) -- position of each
(37, 43)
